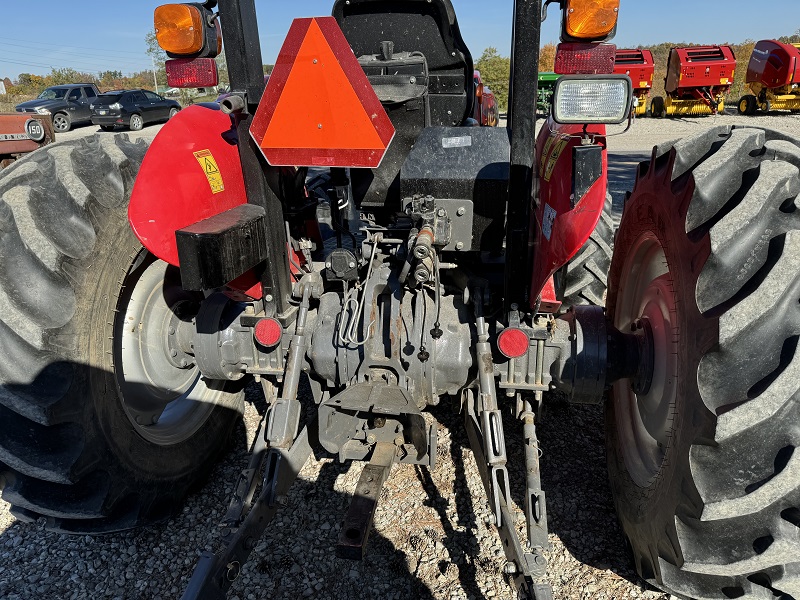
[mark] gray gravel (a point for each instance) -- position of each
(430, 538)
(148, 133)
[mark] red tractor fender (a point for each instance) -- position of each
(562, 224)
(191, 172)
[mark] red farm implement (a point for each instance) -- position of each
(639, 66)
(697, 80)
(774, 78)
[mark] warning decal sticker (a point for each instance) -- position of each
(211, 170)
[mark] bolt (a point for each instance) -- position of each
(328, 265)
(461, 211)
(351, 264)
(139, 419)
(460, 246)
(184, 363)
(371, 439)
(514, 306)
(171, 330)
(154, 419)
(412, 80)
(173, 353)
(319, 125)
(269, 298)
(399, 441)
(315, 61)
(440, 212)
(509, 568)
(452, 54)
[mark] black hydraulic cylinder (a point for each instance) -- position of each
(245, 69)
(522, 126)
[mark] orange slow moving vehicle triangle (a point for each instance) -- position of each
(319, 108)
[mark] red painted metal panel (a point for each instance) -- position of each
(14, 137)
(774, 64)
(319, 108)
(191, 172)
(638, 65)
(559, 229)
(700, 67)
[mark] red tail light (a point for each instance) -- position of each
(585, 59)
(192, 72)
(513, 342)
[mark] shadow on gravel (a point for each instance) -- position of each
(574, 477)
(454, 541)
(294, 559)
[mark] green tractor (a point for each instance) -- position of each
(544, 95)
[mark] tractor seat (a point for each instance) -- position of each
(420, 68)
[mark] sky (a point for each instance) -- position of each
(99, 35)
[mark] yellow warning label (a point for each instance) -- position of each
(551, 164)
(211, 169)
(724, 81)
(548, 145)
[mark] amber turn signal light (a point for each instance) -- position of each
(591, 20)
(179, 28)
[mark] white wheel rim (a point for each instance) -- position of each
(645, 422)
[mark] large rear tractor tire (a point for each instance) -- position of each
(99, 430)
(583, 281)
(702, 460)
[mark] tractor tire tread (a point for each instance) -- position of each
(55, 461)
(585, 277)
(736, 523)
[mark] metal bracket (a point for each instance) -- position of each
(358, 522)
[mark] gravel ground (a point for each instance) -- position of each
(430, 538)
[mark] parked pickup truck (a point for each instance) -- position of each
(68, 105)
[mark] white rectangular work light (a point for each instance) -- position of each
(592, 99)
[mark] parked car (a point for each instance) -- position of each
(132, 108)
(68, 105)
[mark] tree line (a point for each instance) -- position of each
(495, 69)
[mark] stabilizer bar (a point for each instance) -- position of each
(215, 573)
(523, 567)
